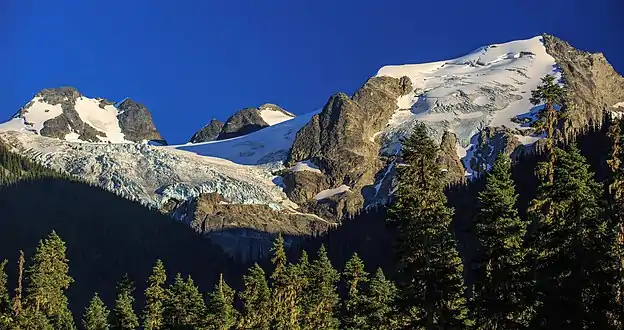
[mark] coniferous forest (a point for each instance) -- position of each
(535, 243)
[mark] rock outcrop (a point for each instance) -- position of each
(253, 224)
(136, 122)
(449, 160)
(208, 132)
(339, 140)
(593, 86)
(492, 141)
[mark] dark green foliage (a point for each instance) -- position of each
(124, 317)
(256, 299)
(552, 95)
(184, 307)
(379, 306)
(351, 313)
(285, 310)
(96, 315)
(321, 296)
(47, 280)
(498, 301)
(221, 312)
(155, 296)
(574, 263)
(429, 266)
(5, 300)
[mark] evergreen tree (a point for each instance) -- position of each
(184, 307)
(221, 312)
(552, 95)
(5, 300)
(498, 302)
(256, 299)
(354, 275)
(96, 315)
(299, 283)
(155, 297)
(379, 304)
(322, 297)
(124, 316)
(574, 261)
(285, 311)
(429, 267)
(616, 189)
(47, 281)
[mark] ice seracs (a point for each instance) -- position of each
(488, 87)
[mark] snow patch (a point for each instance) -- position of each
(619, 105)
(331, 192)
(38, 112)
(305, 165)
(274, 116)
(527, 139)
(104, 120)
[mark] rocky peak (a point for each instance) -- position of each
(593, 86)
(249, 120)
(449, 160)
(339, 140)
(136, 122)
(208, 132)
(242, 122)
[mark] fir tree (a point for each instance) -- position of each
(284, 309)
(124, 316)
(154, 298)
(96, 315)
(616, 189)
(5, 300)
(354, 275)
(322, 297)
(184, 307)
(256, 299)
(429, 265)
(47, 281)
(498, 302)
(379, 304)
(552, 95)
(221, 312)
(574, 260)
(299, 283)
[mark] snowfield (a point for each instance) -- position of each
(270, 144)
(487, 87)
(151, 174)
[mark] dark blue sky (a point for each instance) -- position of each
(189, 61)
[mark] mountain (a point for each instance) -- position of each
(64, 113)
(267, 171)
(243, 122)
(208, 132)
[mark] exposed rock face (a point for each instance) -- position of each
(69, 121)
(339, 139)
(592, 84)
(448, 159)
(211, 215)
(208, 132)
(301, 186)
(492, 141)
(136, 122)
(243, 122)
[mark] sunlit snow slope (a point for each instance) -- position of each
(101, 117)
(487, 87)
